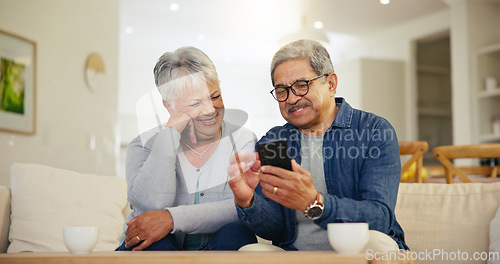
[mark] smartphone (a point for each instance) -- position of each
(274, 153)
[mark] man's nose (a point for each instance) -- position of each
(292, 98)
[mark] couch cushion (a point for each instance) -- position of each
(451, 218)
(45, 199)
(495, 239)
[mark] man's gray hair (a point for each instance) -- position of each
(186, 67)
(304, 49)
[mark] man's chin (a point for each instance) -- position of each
(296, 121)
(301, 124)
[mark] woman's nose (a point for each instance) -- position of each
(208, 107)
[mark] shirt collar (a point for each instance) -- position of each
(344, 115)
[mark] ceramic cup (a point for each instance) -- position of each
(80, 239)
(348, 238)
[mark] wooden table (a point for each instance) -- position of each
(192, 257)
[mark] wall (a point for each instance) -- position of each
(376, 86)
(474, 24)
(68, 115)
(396, 43)
(349, 82)
(381, 78)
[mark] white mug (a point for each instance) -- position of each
(80, 239)
(348, 238)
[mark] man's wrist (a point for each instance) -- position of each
(312, 200)
(244, 204)
(315, 210)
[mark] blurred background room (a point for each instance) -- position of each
(421, 64)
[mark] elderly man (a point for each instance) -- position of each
(345, 162)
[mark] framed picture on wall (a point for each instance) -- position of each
(17, 83)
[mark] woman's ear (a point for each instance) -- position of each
(170, 109)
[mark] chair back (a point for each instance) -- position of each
(417, 149)
(445, 155)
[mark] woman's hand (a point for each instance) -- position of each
(181, 122)
(243, 177)
(148, 228)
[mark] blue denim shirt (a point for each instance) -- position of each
(362, 172)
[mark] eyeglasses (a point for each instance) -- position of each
(299, 88)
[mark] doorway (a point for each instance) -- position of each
(434, 110)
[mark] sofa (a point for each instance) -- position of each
(450, 223)
(41, 200)
(441, 221)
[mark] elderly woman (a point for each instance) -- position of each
(177, 177)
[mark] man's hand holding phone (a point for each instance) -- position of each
(274, 153)
(284, 181)
(244, 170)
(292, 187)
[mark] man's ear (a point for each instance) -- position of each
(332, 81)
(170, 109)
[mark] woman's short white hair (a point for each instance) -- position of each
(185, 69)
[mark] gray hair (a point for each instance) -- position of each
(185, 68)
(304, 49)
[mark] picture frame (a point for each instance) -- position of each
(17, 84)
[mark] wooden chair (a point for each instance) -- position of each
(447, 153)
(417, 149)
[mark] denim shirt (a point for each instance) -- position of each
(362, 173)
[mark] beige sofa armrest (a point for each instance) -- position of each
(445, 218)
(4, 218)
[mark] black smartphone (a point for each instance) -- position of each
(274, 153)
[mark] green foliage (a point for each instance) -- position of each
(12, 86)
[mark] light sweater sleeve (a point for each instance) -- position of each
(209, 217)
(150, 171)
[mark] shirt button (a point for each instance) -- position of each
(201, 194)
(198, 170)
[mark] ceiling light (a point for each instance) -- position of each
(307, 32)
(174, 7)
(318, 25)
(385, 2)
(129, 30)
